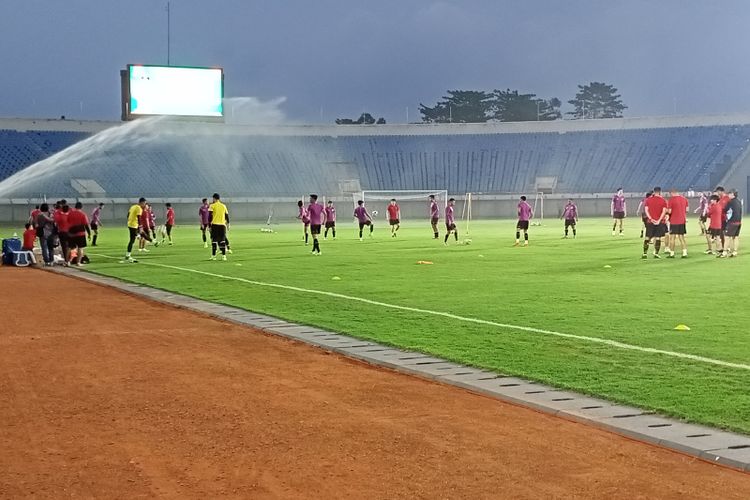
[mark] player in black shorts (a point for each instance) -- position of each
(525, 213)
(330, 212)
(733, 224)
(642, 212)
(656, 211)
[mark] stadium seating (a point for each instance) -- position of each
(591, 161)
(21, 149)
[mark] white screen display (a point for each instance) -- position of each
(162, 90)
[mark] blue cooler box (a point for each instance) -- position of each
(10, 245)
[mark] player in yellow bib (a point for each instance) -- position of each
(134, 218)
(219, 217)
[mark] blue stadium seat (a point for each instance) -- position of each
(237, 165)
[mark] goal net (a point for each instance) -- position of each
(412, 204)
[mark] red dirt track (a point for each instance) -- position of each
(133, 399)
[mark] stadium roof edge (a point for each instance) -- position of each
(559, 126)
(54, 124)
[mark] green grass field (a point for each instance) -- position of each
(556, 285)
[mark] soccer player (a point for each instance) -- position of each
(702, 212)
(618, 210)
(61, 221)
(79, 228)
(525, 213)
(316, 213)
(96, 223)
(45, 230)
(450, 221)
(330, 219)
(394, 216)
(33, 220)
(29, 236)
(219, 224)
(642, 212)
(723, 200)
(363, 218)
(656, 212)
(434, 216)
(205, 220)
(303, 216)
(145, 229)
(733, 212)
(134, 216)
(715, 223)
(170, 223)
(677, 206)
(570, 214)
(34, 213)
(152, 223)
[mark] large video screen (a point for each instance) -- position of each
(172, 90)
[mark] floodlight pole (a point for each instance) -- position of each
(168, 31)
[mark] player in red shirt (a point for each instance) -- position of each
(715, 223)
(394, 216)
(29, 236)
(33, 216)
(723, 200)
(655, 208)
(678, 208)
(61, 221)
(144, 229)
(169, 224)
(77, 231)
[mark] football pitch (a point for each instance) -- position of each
(585, 314)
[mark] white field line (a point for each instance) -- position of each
(466, 319)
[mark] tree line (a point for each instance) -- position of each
(592, 101)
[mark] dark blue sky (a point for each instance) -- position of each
(382, 56)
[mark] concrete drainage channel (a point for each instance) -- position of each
(704, 442)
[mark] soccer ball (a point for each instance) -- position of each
(374, 213)
(467, 241)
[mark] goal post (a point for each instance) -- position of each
(538, 209)
(466, 214)
(413, 203)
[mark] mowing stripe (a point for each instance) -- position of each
(596, 340)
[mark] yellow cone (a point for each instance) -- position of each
(682, 328)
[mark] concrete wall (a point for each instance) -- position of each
(285, 209)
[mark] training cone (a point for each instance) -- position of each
(607, 266)
(336, 278)
(424, 262)
(682, 328)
